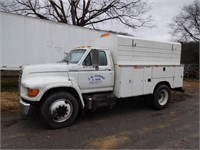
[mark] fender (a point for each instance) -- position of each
(76, 87)
(70, 84)
(168, 82)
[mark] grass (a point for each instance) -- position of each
(5, 73)
(9, 91)
(9, 84)
(9, 102)
(9, 81)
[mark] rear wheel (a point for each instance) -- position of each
(161, 97)
(59, 110)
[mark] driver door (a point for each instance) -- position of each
(96, 77)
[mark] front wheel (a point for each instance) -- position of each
(59, 110)
(161, 97)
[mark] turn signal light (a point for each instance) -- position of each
(32, 92)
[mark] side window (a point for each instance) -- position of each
(102, 58)
(87, 61)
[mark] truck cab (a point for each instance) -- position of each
(83, 71)
(94, 72)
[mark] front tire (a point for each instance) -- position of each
(59, 110)
(161, 97)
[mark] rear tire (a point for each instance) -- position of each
(59, 110)
(161, 97)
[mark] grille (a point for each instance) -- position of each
(20, 76)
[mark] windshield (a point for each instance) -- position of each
(74, 56)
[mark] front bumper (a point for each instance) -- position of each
(24, 107)
(29, 109)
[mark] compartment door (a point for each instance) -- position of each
(178, 77)
(131, 83)
(147, 80)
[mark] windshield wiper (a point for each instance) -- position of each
(66, 61)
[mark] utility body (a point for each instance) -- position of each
(114, 67)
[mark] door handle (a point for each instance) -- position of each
(107, 69)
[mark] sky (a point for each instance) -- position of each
(162, 12)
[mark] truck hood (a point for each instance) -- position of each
(45, 68)
(42, 68)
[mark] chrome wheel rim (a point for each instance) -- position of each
(60, 110)
(163, 97)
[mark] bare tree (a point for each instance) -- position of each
(186, 25)
(131, 13)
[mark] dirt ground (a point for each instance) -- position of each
(131, 124)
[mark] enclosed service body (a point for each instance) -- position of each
(141, 64)
(89, 77)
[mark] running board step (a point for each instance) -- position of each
(99, 100)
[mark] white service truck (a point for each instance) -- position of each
(114, 67)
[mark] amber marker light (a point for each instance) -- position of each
(105, 34)
(32, 92)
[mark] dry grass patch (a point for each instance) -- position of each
(9, 101)
(191, 84)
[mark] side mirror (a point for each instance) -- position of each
(95, 58)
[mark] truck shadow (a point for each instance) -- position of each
(122, 107)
